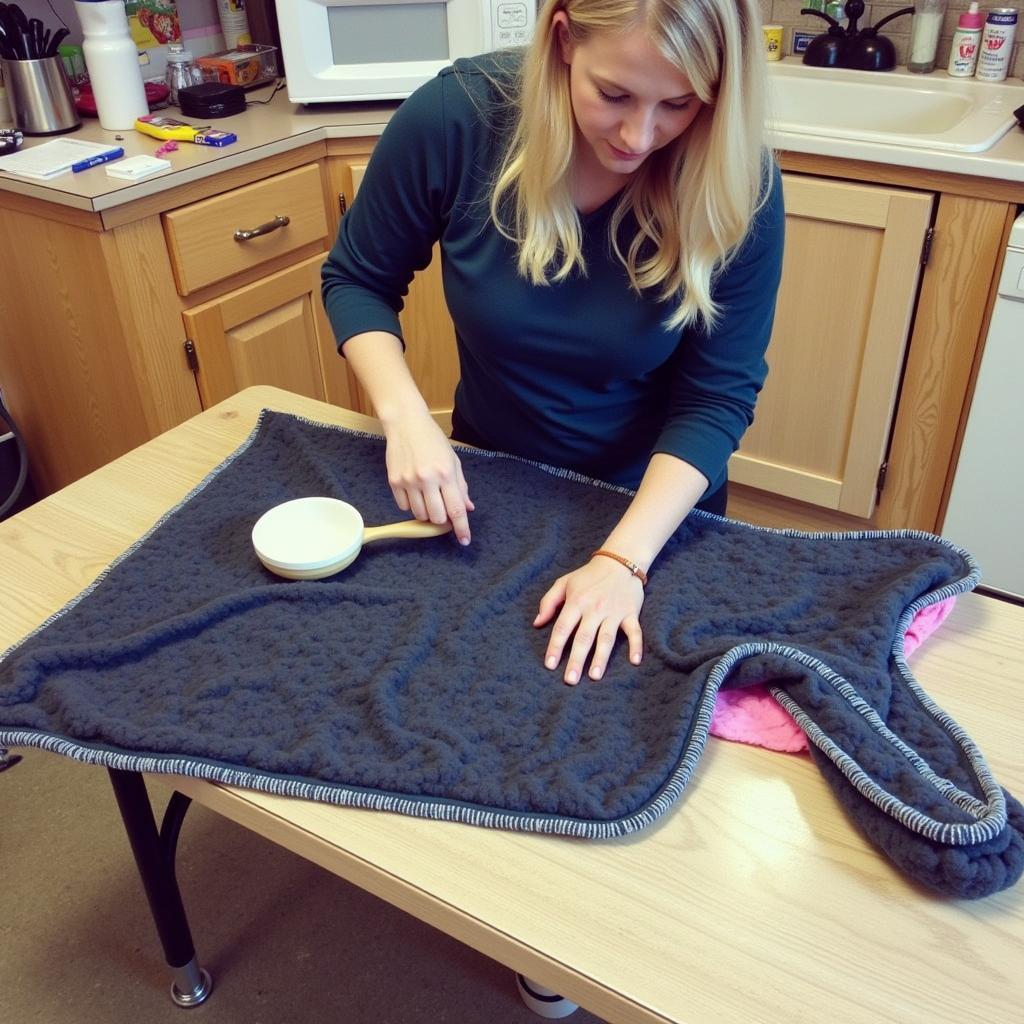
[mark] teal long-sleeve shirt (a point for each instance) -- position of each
(580, 374)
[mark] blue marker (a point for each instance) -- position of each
(95, 161)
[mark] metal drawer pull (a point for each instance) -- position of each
(244, 234)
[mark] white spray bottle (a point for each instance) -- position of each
(963, 54)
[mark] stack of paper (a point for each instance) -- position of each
(136, 167)
(49, 159)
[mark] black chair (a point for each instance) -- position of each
(15, 487)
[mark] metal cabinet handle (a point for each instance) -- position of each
(244, 234)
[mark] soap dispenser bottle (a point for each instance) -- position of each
(925, 30)
(963, 54)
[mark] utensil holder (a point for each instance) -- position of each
(40, 96)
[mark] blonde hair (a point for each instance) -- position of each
(693, 200)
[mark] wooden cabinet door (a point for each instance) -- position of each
(426, 326)
(273, 331)
(849, 282)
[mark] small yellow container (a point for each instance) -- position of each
(773, 42)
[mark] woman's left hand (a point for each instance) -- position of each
(597, 600)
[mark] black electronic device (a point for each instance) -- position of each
(211, 99)
(10, 140)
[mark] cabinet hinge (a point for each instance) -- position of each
(191, 356)
(926, 246)
(342, 203)
(880, 482)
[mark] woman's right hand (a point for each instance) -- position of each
(425, 474)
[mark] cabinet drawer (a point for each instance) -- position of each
(201, 238)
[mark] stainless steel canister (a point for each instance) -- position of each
(40, 96)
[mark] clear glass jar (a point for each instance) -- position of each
(181, 72)
(925, 30)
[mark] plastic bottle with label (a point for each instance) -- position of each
(995, 52)
(963, 54)
(112, 61)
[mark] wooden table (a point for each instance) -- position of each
(752, 900)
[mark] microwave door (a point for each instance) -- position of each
(338, 50)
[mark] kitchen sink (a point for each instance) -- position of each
(895, 107)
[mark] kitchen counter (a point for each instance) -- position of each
(263, 131)
(279, 126)
(1004, 161)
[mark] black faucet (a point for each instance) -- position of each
(860, 49)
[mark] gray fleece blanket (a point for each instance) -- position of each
(413, 680)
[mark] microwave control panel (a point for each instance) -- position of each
(512, 22)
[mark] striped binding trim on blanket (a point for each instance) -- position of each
(344, 796)
(991, 821)
(991, 813)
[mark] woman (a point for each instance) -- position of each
(611, 235)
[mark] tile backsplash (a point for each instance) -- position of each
(787, 14)
(195, 13)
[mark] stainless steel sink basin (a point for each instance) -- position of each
(921, 111)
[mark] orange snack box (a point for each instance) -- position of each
(244, 65)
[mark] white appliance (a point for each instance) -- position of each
(984, 513)
(348, 50)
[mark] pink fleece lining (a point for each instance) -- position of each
(750, 714)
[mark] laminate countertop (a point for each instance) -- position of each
(265, 130)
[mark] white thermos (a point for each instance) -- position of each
(112, 60)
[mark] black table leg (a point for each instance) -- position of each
(154, 855)
(8, 760)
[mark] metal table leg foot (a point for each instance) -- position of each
(154, 856)
(191, 985)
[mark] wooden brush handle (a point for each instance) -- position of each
(408, 529)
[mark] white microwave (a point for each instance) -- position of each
(347, 50)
